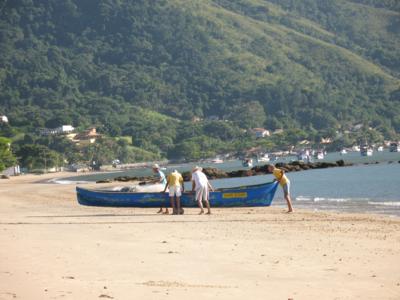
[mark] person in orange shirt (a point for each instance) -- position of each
(284, 182)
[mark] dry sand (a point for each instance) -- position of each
(52, 248)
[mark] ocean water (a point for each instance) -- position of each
(361, 188)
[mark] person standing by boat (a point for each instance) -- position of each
(201, 186)
(160, 179)
(176, 188)
(284, 182)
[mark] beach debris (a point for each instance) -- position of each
(13, 295)
(68, 277)
(105, 296)
(4, 177)
(177, 284)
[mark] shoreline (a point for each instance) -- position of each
(79, 252)
(308, 201)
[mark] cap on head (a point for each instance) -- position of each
(156, 166)
(197, 168)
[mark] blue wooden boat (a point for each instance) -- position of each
(245, 196)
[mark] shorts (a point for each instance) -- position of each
(202, 193)
(175, 191)
(286, 188)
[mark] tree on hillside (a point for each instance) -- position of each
(144, 68)
(7, 158)
(38, 157)
(248, 115)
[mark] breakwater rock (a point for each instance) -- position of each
(214, 173)
(295, 166)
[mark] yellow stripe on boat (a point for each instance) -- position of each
(234, 195)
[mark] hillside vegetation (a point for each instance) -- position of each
(311, 65)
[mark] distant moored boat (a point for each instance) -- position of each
(365, 150)
(247, 162)
(319, 154)
(217, 160)
(394, 147)
(263, 158)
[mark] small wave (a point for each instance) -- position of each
(304, 198)
(387, 203)
(319, 199)
(328, 199)
(60, 181)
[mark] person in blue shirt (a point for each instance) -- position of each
(160, 179)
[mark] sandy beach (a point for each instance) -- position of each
(53, 248)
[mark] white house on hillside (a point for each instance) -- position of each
(278, 131)
(3, 119)
(260, 132)
(326, 140)
(66, 128)
(87, 137)
(59, 130)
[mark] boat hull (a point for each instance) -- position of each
(246, 196)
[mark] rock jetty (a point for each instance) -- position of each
(294, 166)
(214, 173)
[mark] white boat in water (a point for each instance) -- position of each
(263, 158)
(366, 150)
(304, 155)
(355, 148)
(217, 161)
(247, 162)
(394, 147)
(343, 152)
(319, 154)
(380, 149)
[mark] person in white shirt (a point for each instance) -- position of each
(201, 186)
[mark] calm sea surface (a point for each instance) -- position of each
(361, 188)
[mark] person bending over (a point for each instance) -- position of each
(284, 182)
(176, 188)
(201, 186)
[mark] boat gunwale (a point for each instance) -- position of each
(221, 190)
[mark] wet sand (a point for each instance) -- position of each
(53, 248)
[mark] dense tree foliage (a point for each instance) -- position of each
(145, 68)
(7, 159)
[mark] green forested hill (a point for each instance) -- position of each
(311, 64)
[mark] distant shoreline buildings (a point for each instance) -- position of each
(64, 129)
(86, 137)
